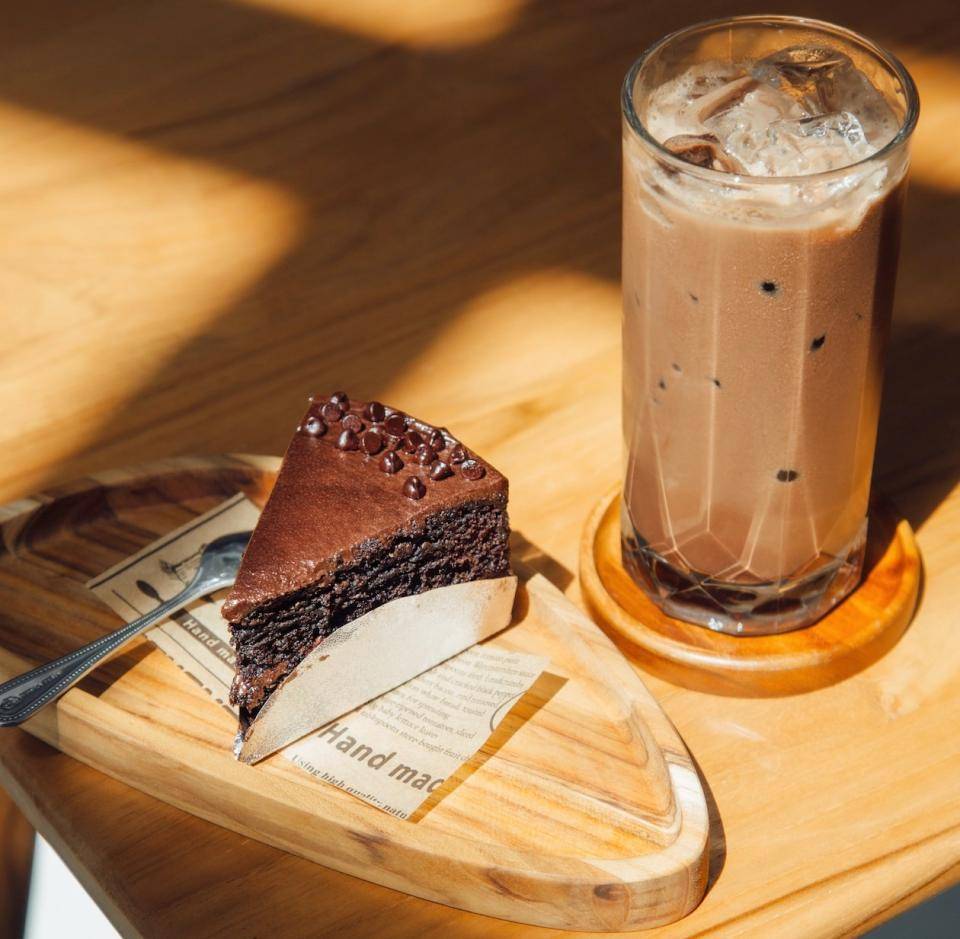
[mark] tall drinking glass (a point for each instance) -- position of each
(764, 167)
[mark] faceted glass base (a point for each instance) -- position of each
(744, 608)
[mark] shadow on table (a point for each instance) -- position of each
(428, 175)
(918, 449)
(528, 559)
(718, 835)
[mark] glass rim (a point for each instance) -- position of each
(907, 83)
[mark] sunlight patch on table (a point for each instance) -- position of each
(415, 23)
(544, 350)
(517, 335)
(92, 225)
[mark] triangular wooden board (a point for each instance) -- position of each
(583, 812)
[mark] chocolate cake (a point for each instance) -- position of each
(370, 505)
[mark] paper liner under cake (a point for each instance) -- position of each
(375, 653)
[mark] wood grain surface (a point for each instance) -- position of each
(608, 822)
(212, 208)
(849, 638)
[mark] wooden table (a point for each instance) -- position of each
(211, 208)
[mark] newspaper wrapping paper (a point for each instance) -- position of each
(392, 752)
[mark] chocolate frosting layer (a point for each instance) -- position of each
(332, 495)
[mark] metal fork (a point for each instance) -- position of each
(23, 696)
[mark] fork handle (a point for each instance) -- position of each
(23, 696)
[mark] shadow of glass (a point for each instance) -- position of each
(918, 449)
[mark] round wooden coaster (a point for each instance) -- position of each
(851, 636)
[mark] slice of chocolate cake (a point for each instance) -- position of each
(370, 505)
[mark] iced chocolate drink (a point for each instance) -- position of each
(764, 162)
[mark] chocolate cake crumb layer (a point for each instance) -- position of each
(344, 533)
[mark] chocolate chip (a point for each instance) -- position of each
(818, 342)
(348, 440)
(426, 454)
(392, 442)
(413, 488)
(340, 399)
(440, 470)
(391, 463)
(395, 424)
(458, 454)
(371, 442)
(411, 440)
(769, 287)
(787, 475)
(473, 470)
(352, 422)
(375, 412)
(314, 426)
(331, 412)
(437, 441)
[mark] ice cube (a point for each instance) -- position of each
(674, 107)
(820, 143)
(846, 89)
(700, 80)
(826, 81)
(743, 128)
(842, 124)
(797, 70)
(718, 100)
(702, 150)
(798, 63)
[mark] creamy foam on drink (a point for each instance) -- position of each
(755, 317)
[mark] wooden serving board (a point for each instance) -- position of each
(584, 810)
